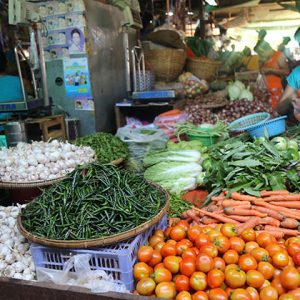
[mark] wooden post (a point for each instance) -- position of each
(201, 18)
(168, 10)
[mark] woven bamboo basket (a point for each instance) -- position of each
(203, 68)
(167, 64)
(100, 242)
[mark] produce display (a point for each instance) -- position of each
(178, 206)
(41, 160)
(218, 262)
(238, 164)
(238, 91)
(15, 257)
(106, 146)
(176, 168)
(94, 201)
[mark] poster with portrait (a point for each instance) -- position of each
(75, 40)
(77, 78)
(84, 104)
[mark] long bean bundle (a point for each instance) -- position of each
(93, 202)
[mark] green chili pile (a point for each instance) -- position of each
(106, 146)
(93, 202)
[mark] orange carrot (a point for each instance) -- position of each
(277, 234)
(271, 193)
(241, 197)
(290, 197)
(218, 217)
(289, 232)
(272, 213)
(270, 221)
(217, 198)
(240, 218)
(212, 207)
(287, 204)
(172, 112)
(207, 220)
(290, 223)
(194, 215)
(284, 211)
(251, 223)
(243, 212)
(229, 202)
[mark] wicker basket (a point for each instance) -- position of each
(203, 68)
(167, 64)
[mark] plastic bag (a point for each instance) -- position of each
(98, 281)
(140, 141)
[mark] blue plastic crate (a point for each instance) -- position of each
(272, 128)
(117, 260)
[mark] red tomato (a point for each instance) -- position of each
(200, 295)
(158, 246)
(265, 284)
(189, 253)
(204, 262)
(182, 283)
(156, 258)
(183, 223)
(198, 281)
(215, 278)
(167, 232)
(293, 239)
(181, 247)
(184, 295)
(295, 293)
(276, 283)
(253, 293)
(273, 248)
(235, 278)
(141, 270)
(168, 249)
(287, 297)
(201, 240)
(247, 262)
(296, 259)
(260, 254)
(266, 269)
(172, 263)
(187, 266)
(217, 294)
(159, 265)
(255, 279)
(240, 294)
(290, 278)
(213, 234)
(159, 232)
(219, 264)
(222, 243)
(231, 257)
(193, 232)
(248, 235)
(178, 233)
(145, 286)
(144, 253)
(268, 293)
(162, 275)
(237, 244)
(280, 259)
(165, 290)
(264, 239)
(249, 246)
(210, 249)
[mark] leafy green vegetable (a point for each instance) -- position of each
(178, 185)
(187, 145)
(107, 146)
(177, 206)
(155, 157)
(200, 47)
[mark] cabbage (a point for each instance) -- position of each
(233, 91)
(246, 94)
(153, 158)
(239, 84)
(172, 171)
(292, 144)
(280, 143)
(179, 185)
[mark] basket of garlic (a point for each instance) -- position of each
(40, 163)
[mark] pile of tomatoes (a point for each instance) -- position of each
(205, 263)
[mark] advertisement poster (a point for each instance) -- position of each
(75, 40)
(84, 104)
(76, 77)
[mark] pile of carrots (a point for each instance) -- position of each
(277, 212)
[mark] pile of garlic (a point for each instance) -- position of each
(41, 160)
(15, 257)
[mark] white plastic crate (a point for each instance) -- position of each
(117, 260)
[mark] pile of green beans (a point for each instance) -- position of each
(94, 201)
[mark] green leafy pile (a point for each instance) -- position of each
(177, 206)
(240, 165)
(106, 146)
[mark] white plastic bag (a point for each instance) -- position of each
(98, 281)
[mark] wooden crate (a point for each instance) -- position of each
(46, 128)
